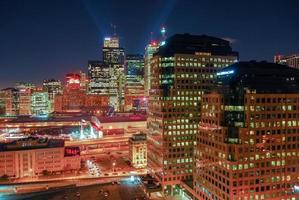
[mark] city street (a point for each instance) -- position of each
(124, 189)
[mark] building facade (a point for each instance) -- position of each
(134, 83)
(247, 146)
(138, 150)
(150, 49)
(291, 60)
(53, 87)
(10, 101)
(183, 69)
(24, 93)
(114, 58)
(40, 103)
(32, 157)
(76, 98)
(99, 76)
(25, 101)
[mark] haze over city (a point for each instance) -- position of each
(46, 39)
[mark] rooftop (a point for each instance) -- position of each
(263, 77)
(31, 143)
(77, 117)
(190, 44)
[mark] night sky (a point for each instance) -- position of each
(42, 39)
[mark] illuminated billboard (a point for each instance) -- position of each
(71, 151)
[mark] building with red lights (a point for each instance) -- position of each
(73, 81)
(247, 145)
(77, 101)
(75, 98)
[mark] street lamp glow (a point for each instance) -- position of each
(132, 178)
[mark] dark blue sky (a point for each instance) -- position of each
(47, 38)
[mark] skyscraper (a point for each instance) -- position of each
(183, 69)
(100, 79)
(53, 87)
(76, 99)
(114, 58)
(150, 49)
(10, 100)
(247, 146)
(40, 104)
(134, 83)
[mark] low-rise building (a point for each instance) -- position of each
(31, 157)
(138, 150)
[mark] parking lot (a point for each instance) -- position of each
(106, 164)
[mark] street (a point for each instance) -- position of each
(124, 189)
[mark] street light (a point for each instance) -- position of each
(132, 178)
(113, 165)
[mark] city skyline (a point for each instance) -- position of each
(55, 43)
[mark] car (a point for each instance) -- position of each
(106, 193)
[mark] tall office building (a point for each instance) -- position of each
(183, 69)
(10, 101)
(53, 87)
(75, 98)
(101, 82)
(150, 49)
(24, 101)
(291, 60)
(40, 103)
(134, 83)
(83, 81)
(248, 135)
(72, 98)
(21, 85)
(114, 57)
(24, 93)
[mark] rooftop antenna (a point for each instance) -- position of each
(163, 32)
(163, 36)
(151, 37)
